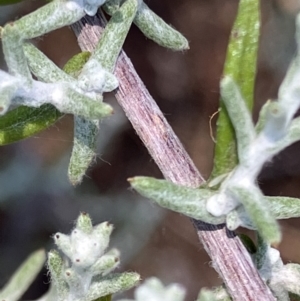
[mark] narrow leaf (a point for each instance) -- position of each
(25, 122)
(106, 54)
(56, 268)
(153, 27)
(240, 64)
(112, 40)
(110, 7)
(111, 284)
(259, 212)
(44, 69)
(85, 131)
(188, 201)
(156, 29)
(23, 277)
(284, 207)
(83, 152)
(106, 263)
(239, 115)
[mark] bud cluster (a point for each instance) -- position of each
(83, 273)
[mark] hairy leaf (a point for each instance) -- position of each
(23, 277)
(240, 65)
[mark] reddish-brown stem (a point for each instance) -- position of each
(228, 254)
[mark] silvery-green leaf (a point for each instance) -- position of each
(103, 58)
(106, 263)
(112, 40)
(239, 115)
(44, 69)
(23, 277)
(65, 98)
(56, 267)
(259, 212)
(188, 201)
(84, 148)
(111, 6)
(51, 16)
(154, 28)
(111, 284)
(284, 207)
(84, 223)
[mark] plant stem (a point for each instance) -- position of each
(230, 258)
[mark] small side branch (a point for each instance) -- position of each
(227, 252)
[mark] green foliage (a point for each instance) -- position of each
(259, 213)
(240, 65)
(232, 196)
(24, 122)
(76, 63)
(91, 74)
(192, 202)
(153, 27)
(189, 201)
(106, 54)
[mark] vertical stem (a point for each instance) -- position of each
(229, 256)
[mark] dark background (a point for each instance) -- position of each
(36, 199)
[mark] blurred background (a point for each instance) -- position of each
(36, 199)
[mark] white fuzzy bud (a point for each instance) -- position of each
(220, 204)
(85, 249)
(94, 78)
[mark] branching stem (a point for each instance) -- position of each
(227, 252)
